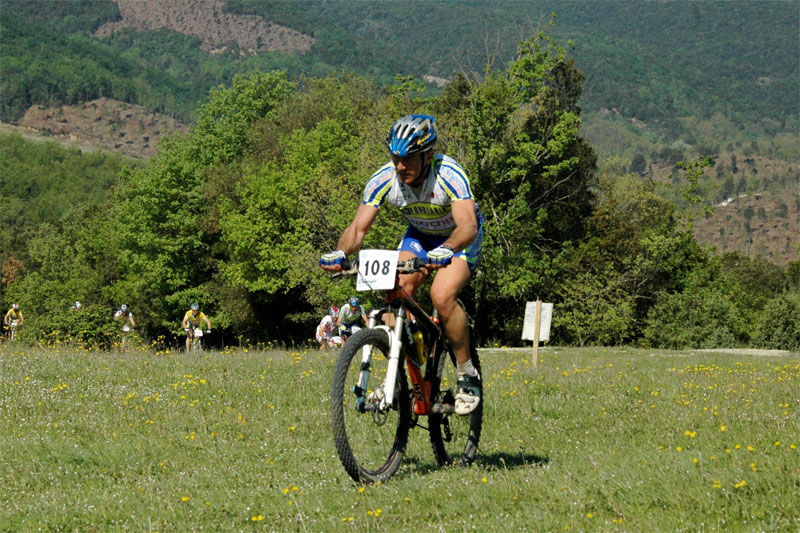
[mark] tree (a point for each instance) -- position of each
(639, 164)
(169, 212)
(637, 247)
(517, 133)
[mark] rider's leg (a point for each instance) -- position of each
(409, 282)
(188, 341)
(444, 294)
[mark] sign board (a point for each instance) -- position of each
(377, 270)
(529, 325)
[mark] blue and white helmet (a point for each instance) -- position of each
(412, 134)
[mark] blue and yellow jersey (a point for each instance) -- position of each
(14, 314)
(427, 208)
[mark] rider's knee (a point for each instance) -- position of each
(444, 301)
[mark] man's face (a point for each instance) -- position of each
(409, 167)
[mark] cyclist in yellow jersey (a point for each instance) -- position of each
(191, 320)
(13, 319)
(445, 229)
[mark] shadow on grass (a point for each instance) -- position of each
(498, 460)
(506, 461)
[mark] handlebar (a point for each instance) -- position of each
(409, 266)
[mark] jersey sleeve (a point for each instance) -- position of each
(378, 186)
(452, 178)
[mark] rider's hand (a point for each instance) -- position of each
(208, 331)
(332, 260)
(440, 256)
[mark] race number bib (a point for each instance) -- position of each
(377, 269)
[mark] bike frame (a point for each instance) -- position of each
(382, 350)
(197, 340)
(400, 303)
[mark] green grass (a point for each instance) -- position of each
(592, 439)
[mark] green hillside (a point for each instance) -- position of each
(656, 62)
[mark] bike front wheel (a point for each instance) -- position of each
(454, 438)
(370, 441)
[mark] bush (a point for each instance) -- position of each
(779, 327)
(91, 327)
(695, 318)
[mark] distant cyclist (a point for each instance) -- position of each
(123, 313)
(326, 330)
(13, 319)
(191, 320)
(349, 317)
(75, 307)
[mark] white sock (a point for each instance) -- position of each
(467, 368)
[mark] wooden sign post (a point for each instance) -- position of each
(536, 326)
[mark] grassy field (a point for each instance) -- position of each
(593, 439)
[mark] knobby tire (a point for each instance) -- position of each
(455, 438)
(370, 451)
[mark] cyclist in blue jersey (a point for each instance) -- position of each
(351, 314)
(445, 228)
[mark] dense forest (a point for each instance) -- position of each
(236, 213)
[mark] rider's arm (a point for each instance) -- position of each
(353, 235)
(466, 225)
(5, 318)
(21, 318)
(133, 324)
(183, 323)
(208, 322)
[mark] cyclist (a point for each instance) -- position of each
(349, 316)
(13, 319)
(75, 307)
(124, 313)
(325, 330)
(191, 320)
(445, 228)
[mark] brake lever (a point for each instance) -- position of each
(349, 268)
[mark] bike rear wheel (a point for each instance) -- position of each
(370, 443)
(454, 438)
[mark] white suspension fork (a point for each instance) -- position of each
(394, 361)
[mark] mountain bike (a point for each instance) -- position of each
(12, 330)
(373, 407)
(126, 331)
(196, 344)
